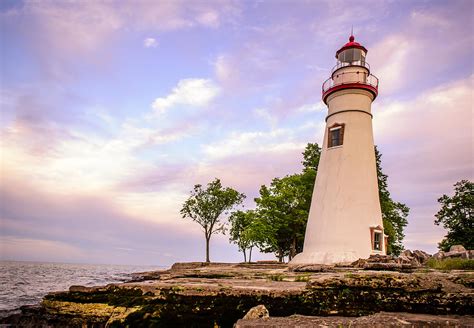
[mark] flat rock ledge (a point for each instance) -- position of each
(381, 319)
(219, 294)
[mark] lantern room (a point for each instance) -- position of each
(352, 53)
(351, 71)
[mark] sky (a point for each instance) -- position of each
(112, 110)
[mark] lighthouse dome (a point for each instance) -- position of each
(351, 51)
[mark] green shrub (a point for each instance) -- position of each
(451, 264)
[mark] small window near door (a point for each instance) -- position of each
(377, 241)
(336, 135)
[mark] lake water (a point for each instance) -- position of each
(25, 283)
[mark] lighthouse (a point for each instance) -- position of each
(345, 219)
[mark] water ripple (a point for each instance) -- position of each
(25, 283)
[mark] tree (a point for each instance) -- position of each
(283, 208)
(241, 232)
(457, 216)
(205, 206)
(311, 157)
(394, 214)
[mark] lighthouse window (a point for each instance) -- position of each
(377, 241)
(335, 136)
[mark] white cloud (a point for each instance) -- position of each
(188, 92)
(412, 56)
(448, 108)
(266, 115)
(314, 107)
(209, 18)
(150, 43)
(223, 68)
(395, 50)
(82, 162)
(427, 146)
(252, 65)
(72, 28)
(238, 143)
(38, 250)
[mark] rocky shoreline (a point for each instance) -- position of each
(220, 294)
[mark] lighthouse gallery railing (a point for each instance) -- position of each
(361, 63)
(351, 78)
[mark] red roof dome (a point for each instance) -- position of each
(351, 44)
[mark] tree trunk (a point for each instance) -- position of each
(292, 249)
(245, 255)
(280, 255)
(250, 254)
(207, 249)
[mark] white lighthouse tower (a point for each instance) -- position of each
(345, 220)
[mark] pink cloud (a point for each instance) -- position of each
(427, 146)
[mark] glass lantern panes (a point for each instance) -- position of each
(352, 56)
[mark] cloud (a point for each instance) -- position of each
(14, 248)
(209, 18)
(71, 159)
(266, 115)
(86, 227)
(250, 66)
(150, 43)
(396, 50)
(314, 107)
(188, 93)
(239, 143)
(426, 144)
(223, 68)
(423, 52)
(42, 225)
(88, 29)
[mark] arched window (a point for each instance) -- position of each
(336, 135)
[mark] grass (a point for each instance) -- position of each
(302, 278)
(451, 264)
(276, 277)
(177, 288)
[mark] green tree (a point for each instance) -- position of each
(311, 157)
(394, 214)
(457, 216)
(241, 232)
(205, 206)
(283, 208)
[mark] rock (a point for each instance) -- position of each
(457, 248)
(381, 319)
(80, 289)
(387, 262)
(359, 263)
(408, 260)
(454, 254)
(382, 266)
(312, 268)
(381, 258)
(439, 256)
(207, 295)
(421, 256)
(257, 312)
(456, 251)
(407, 253)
